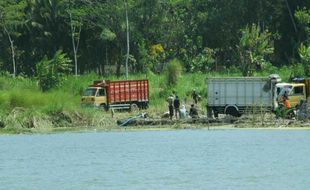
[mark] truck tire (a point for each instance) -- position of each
(209, 112)
(290, 114)
(216, 114)
(232, 110)
(145, 106)
(104, 107)
(134, 107)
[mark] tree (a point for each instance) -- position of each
(51, 72)
(46, 29)
(78, 12)
(127, 36)
(94, 32)
(254, 47)
(304, 53)
(303, 17)
(205, 61)
(11, 17)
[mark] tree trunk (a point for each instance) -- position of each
(119, 64)
(12, 50)
(106, 58)
(127, 30)
(75, 45)
(291, 16)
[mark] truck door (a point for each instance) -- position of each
(215, 87)
(297, 94)
(101, 98)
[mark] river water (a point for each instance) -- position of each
(181, 159)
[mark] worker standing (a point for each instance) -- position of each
(195, 96)
(176, 104)
(170, 107)
(170, 101)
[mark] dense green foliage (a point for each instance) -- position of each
(254, 46)
(203, 35)
(173, 72)
(52, 72)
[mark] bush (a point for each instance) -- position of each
(205, 61)
(254, 48)
(297, 70)
(304, 53)
(51, 72)
(173, 72)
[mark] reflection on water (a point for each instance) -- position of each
(185, 159)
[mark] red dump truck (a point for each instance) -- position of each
(126, 94)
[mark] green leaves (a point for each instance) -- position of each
(12, 13)
(107, 34)
(204, 61)
(304, 53)
(50, 73)
(303, 17)
(173, 72)
(97, 31)
(254, 47)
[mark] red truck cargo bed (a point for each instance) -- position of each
(127, 91)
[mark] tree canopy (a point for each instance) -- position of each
(202, 35)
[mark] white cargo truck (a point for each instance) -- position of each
(238, 95)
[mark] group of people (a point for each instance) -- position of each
(181, 112)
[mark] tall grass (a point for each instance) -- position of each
(24, 95)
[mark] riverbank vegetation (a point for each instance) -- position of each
(51, 51)
(25, 108)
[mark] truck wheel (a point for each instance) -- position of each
(290, 114)
(145, 106)
(216, 114)
(134, 107)
(232, 111)
(209, 112)
(104, 107)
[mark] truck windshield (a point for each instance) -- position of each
(282, 90)
(90, 92)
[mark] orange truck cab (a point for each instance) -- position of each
(298, 90)
(126, 94)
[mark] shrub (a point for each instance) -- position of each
(297, 70)
(304, 53)
(51, 72)
(254, 48)
(205, 61)
(173, 72)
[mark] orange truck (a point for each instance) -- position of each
(125, 94)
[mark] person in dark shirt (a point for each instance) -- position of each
(195, 96)
(176, 104)
(170, 107)
(193, 112)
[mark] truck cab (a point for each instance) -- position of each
(95, 96)
(296, 92)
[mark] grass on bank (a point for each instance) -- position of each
(24, 108)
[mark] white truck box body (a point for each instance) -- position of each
(240, 92)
